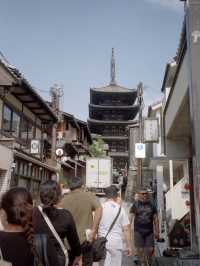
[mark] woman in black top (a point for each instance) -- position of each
(17, 240)
(62, 220)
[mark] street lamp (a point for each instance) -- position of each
(141, 106)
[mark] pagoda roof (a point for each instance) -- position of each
(113, 88)
(123, 122)
(118, 107)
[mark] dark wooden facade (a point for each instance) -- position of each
(111, 110)
(24, 116)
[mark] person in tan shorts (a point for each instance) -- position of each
(86, 211)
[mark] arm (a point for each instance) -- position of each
(131, 218)
(156, 226)
(127, 238)
(72, 235)
(97, 218)
(132, 213)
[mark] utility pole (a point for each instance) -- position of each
(56, 93)
(141, 106)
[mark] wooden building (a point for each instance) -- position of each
(73, 137)
(24, 117)
(112, 108)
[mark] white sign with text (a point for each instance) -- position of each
(140, 150)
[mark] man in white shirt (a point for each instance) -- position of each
(120, 233)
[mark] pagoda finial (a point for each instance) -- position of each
(112, 69)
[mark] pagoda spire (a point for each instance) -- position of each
(112, 69)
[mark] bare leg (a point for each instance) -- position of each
(140, 253)
(150, 253)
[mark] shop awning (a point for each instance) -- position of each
(67, 165)
(35, 161)
(75, 162)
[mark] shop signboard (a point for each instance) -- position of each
(35, 146)
(140, 150)
(151, 130)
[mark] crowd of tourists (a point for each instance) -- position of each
(73, 229)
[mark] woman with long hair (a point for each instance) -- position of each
(17, 240)
(62, 220)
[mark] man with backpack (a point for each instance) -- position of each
(146, 225)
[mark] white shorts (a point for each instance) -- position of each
(113, 257)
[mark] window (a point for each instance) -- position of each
(15, 124)
(30, 131)
(11, 121)
(16, 169)
(25, 171)
(21, 168)
(24, 183)
(27, 130)
(66, 125)
(7, 118)
(24, 129)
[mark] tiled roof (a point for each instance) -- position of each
(28, 89)
(113, 88)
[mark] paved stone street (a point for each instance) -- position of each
(128, 261)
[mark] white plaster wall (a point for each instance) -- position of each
(177, 97)
(176, 198)
(38, 133)
(6, 165)
(157, 146)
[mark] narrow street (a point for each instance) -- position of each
(99, 100)
(128, 261)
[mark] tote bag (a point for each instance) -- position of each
(3, 262)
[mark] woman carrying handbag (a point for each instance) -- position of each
(19, 246)
(57, 223)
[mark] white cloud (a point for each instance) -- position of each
(173, 4)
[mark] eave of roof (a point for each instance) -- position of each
(24, 85)
(179, 53)
(125, 107)
(72, 119)
(95, 121)
(154, 107)
(113, 89)
(86, 128)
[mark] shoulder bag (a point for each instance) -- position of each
(4, 262)
(41, 249)
(55, 234)
(99, 244)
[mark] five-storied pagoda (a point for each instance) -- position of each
(112, 108)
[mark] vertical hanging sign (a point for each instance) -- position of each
(151, 130)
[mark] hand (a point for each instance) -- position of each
(78, 261)
(156, 235)
(92, 235)
(128, 251)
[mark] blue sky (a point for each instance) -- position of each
(69, 42)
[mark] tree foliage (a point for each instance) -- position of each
(97, 148)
